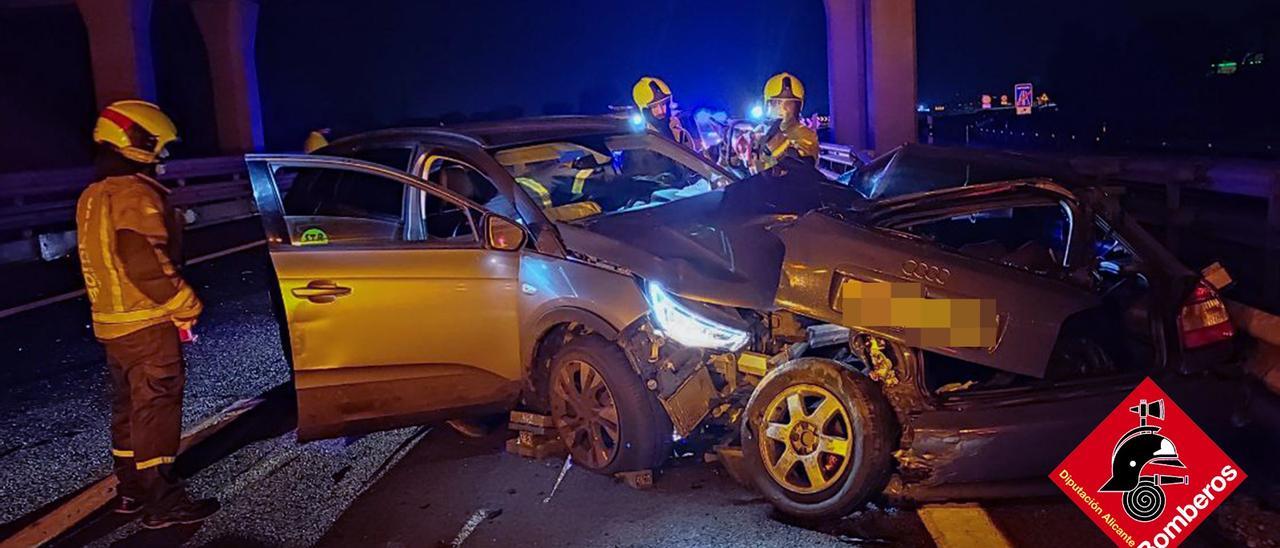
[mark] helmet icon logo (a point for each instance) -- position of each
(1150, 481)
(1138, 449)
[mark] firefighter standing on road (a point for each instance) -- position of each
(784, 134)
(653, 98)
(128, 247)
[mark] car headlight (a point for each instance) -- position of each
(688, 328)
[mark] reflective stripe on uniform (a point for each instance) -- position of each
(122, 453)
(580, 180)
(150, 463)
(106, 245)
(183, 299)
(535, 187)
(780, 148)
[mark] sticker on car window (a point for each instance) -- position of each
(313, 236)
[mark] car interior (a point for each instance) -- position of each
(1036, 238)
(604, 174)
(348, 207)
(446, 220)
(355, 208)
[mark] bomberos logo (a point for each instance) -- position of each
(1147, 475)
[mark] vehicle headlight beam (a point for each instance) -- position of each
(685, 327)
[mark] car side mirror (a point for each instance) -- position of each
(504, 234)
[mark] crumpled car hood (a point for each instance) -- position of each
(717, 247)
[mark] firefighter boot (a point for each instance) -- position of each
(129, 492)
(168, 502)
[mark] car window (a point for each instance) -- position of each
(468, 182)
(1111, 252)
(443, 220)
(605, 174)
(918, 168)
(336, 206)
(1033, 237)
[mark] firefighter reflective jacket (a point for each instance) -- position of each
(794, 140)
(126, 255)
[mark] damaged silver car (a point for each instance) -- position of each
(639, 294)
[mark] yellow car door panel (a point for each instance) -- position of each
(396, 328)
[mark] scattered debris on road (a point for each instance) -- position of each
(638, 479)
(568, 462)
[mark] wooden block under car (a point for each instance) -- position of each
(531, 419)
(638, 479)
(532, 429)
(546, 449)
(536, 438)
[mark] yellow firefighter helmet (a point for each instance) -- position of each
(316, 140)
(784, 86)
(650, 90)
(138, 130)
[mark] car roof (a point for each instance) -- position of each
(500, 133)
(1038, 185)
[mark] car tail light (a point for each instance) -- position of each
(1203, 318)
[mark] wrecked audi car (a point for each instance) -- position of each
(638, 294)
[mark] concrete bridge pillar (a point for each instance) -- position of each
(229, 28)
(871, 65)
(120, 49)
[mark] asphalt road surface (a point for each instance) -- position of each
(425, 486)
(53, 417)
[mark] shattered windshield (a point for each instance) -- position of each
(916, 168)
(603, 174)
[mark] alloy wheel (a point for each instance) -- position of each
(586, 414)
(805, 439)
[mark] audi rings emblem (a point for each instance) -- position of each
(925, 271)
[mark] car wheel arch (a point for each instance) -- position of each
(550, 332)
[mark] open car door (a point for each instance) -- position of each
(391, 320)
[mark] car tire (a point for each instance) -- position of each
(599, 372)
(857, 412)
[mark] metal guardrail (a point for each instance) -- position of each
(834, 159)
(37, 209)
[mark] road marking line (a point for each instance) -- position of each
(470, 526)
(74, 294)
(961, 526)
(99, 494)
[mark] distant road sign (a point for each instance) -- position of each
(1023, 98)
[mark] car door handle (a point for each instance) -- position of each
(321, 291)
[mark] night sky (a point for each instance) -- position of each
(353, 65)
(970, 46)
(420, 60)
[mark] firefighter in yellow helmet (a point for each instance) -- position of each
(316, 140)
(784, 134)
(653, 99)
(128, 246)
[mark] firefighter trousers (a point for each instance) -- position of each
(147, 375)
